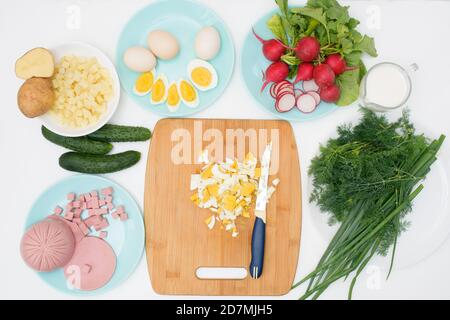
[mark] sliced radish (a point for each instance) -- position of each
(306, 103)
(315, 95)
(284, 87)
(281, 83)
(285, 103)
(310, 85)
(290, 90)
(282, 95)
(272, 90)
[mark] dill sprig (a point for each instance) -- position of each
(366, 179)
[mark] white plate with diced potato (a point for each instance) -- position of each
(87, 90)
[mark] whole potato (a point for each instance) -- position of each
(35, 97)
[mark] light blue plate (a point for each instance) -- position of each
(253, 63)
(182, 18)
(125, 237)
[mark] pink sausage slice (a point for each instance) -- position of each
(92, 265)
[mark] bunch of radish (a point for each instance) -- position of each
(318, 77)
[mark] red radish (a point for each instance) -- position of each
(276, 72)
(337, 63)
(330, 93)
(304, 72)
(306, 103)
(285, 103)
(307, 49)
(273, 49)
(310, 85)
(323, 75)
(315, 95)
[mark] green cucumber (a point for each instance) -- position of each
(118, 133)
(94, 163)
(80, 144)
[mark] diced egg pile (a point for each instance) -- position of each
(201, 76)
(227, 189)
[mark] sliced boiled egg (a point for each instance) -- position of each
(159, 90)
(202, 74)
(173, 97)
(188, 93)
(144, 83)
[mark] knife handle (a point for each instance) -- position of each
(258, 242)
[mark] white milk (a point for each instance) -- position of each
(387, 85)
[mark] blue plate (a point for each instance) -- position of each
(125, 237)
(253, 63)
(182, 18)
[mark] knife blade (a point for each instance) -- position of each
(259, 228)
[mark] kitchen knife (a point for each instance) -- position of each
(259, 229)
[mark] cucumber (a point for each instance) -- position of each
(95, 163)
(80, 144)
(117, 133)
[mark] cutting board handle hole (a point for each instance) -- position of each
(221, 273)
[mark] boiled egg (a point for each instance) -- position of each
(202, 74)
(144, 83)
(173, 97)
(139, 59)
(207, 43)
(159, 90)
(188, 93)
(163, 44)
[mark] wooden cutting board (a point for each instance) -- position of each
(177, 238)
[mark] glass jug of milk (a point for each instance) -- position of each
(386, 86)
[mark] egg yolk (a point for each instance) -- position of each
(201, 76)
(187, 91)
(159, 89)
(145, 82)
(173, 98)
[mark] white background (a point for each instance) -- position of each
(408, 31)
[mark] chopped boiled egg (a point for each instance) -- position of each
(159, 90)
(228, 189)
(144, 83)
(173, 97)
(188, 93)
(202, 74)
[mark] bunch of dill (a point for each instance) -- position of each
(365, 179)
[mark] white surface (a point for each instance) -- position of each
(28, 163)
(85, 50)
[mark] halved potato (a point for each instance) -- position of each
(38, 62)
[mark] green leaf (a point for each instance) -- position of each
(346, 45)
(314, 13)
(283, 5)
(275, 25)
(321, 34)
(352, 23)
(342, 30)
(353, 58)
(367, 45)
(340, 14)
(356, 36)
(324, 4)
(348, 82)
(362, 70)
